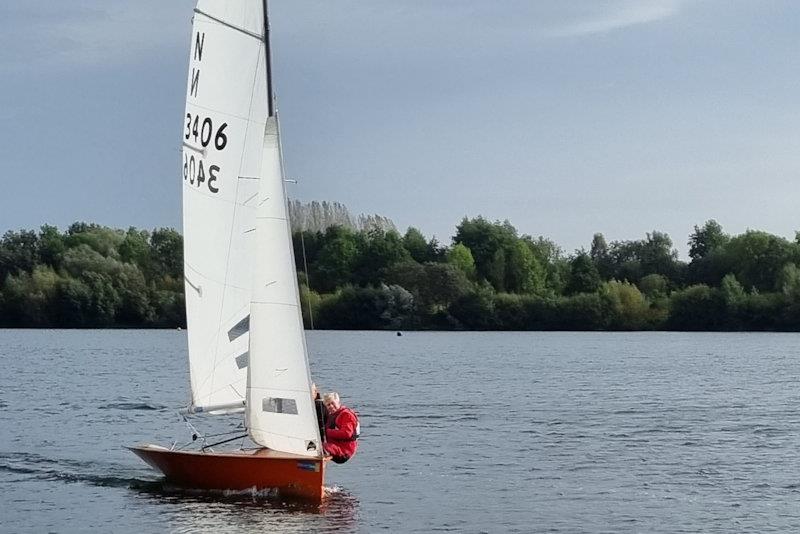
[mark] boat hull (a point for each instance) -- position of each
(294, 476)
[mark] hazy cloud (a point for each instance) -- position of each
(616, 16)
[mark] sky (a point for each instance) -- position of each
(565, 118)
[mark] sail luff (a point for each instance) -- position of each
(298, 303)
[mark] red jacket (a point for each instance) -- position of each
(342, 430)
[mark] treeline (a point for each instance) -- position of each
(91, 277)
(491, 278)
(488, 278)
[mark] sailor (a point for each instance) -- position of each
(342, 429)
(319, 407)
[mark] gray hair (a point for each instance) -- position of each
(332, 396)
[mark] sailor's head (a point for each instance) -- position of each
(331, 401)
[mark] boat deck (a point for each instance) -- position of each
(238, 453)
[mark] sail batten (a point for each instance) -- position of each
(229, 25)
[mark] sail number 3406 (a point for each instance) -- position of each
(201, 130)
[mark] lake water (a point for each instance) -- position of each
(462, 432)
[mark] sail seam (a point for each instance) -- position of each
(195, 190)
(225, 113)
(229, 25)
(222, 284)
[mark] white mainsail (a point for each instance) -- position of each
(223, 130)
(246, 339)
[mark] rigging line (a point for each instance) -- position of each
(237, 430)
(308, 281)
(195, 433)
(204, 447)
(275, 303)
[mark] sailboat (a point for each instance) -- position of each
(246, 343)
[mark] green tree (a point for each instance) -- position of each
(353, 308)
(654, 286)
(601, 257)
(789, 280)
(509, 310)
(706, 239)
(414, 242)
(337, 259)
(496, 270)
(551, 258)
(524, 273)
(18, 252)
(166, 252)
(628, 309)
(135, 248)
(732, 291)
(583, 276)
(51, 246)
(758, 258)
(443, 283)
(460, 256)
(583, 311)
(657, 256)
(378, 251)
(475, 310)
(104, 241)
(488, 243)
(106, 299)
(29, 297)
(134, 307)
(72, 304)
(697, 307)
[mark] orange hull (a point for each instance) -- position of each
(292, 475)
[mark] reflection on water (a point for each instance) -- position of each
(250, 510)
(191, 510)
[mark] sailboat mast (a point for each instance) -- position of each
(268, 54)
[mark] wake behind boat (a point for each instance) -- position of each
(247, 349)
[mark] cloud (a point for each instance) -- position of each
(617, 16)
(42, 33)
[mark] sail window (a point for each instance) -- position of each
(242, 360)
(239, 329)
(278, 405)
